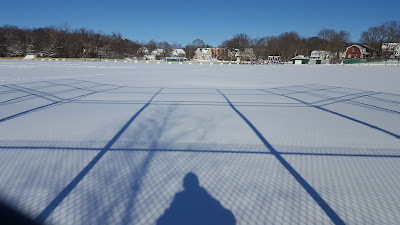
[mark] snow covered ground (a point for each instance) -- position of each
(111, 142)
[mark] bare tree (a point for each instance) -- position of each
(239, 41)
(260, 46)
(373, 37)
(391, 31)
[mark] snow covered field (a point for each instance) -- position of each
(111, 142)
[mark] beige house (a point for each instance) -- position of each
(203, 54)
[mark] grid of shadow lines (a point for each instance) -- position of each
(34, 97)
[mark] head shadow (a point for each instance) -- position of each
(194, 205)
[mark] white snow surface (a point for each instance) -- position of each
(110, 142)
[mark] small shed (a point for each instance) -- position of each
(300, 59)
(175, 59)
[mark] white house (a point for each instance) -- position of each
(178, 52)
(203, 54)
(234, 54)
(394, 48)
(320, 57)
(238, 55)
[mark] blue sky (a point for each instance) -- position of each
(212, 21)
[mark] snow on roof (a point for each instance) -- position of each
(179, 51)
(205, 50)
(300, 57)
(158, 51)
(319, 52)
(363, 49)
(29, 56)
(390, 46)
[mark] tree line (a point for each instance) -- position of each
(64, 42)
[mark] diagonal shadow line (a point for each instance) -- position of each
(63, 194)
(338, 114)
(31, 96)
(35, 92)
(42, 86)
(195, 150)
(340, 98)
(305, 91)
(31, 93)
(384, 100)
(350, 101)
(10, 91)
(80, 88)
(370, 96)
(13, 99)
(50, 105)
(333, 89)
(356, 89)
(84, 81)
(343, 98)
(346, 100)
(329, 98)
(311, 191)
(369, 106)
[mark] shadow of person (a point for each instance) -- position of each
(195, 206)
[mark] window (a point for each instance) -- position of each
(355, 56)
(353, 50)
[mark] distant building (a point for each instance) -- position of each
(392, 48)
(143, 51)
(209, 53)
(320, 57)
(235, 54)
(272, 59)
(160, 53)
(203, 54)
(247, 54)
(175, 59)
(360, 51)
(300, 59)
(217, 53)
(157, 53)
(178, 52)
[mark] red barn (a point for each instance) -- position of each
(359, 51)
